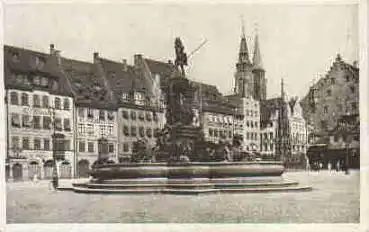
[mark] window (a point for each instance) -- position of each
(133, 131)
(66, 104)
(148, 116)
(25, 143)
(102, 130)
(81, 146)
(81, 129)
(90, 147)
(142, 131)
(57, 103)
(329, 92)
(323, 124)
(44, 82)
(45, 101)
(111, 148)
(354, 106)
(155, 116)
(90, 113)
(46, 144)
(125, 147)
(14, 98)
(149, 132)
(347, 78)
(36, 80)
(333, 81)
(156, 132)
(352, 88)
(102, 115)
(26, 121)
(67, 124)
(15, 142)
(325, 110)
(141, 116)
(15, 120)
(133, 115)
(40, 62)
(216, 133)
(15, 57)
(125, 114)
(58, 124)
(37, 144)
(211, 132)
(110, 115)
(110, 130)
(24, 99)
(125, 130)
(90, 129)
(66, 145)
(55, 85)
(36, 101)
(46, 124)
(81, 112)
(37, 122)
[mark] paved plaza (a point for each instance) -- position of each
(334, 199)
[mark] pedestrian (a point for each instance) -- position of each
(329, 166)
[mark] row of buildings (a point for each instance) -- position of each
(113, 103)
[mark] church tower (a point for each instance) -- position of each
(258, 72)
(243, 76)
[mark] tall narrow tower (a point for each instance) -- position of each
(243, 75)
(283, 145)
(258, 72)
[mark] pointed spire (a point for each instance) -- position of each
(243, 56)
(256, 59)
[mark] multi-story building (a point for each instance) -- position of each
(140, 103)
(334, 95)
(39, 105)
(96, 112)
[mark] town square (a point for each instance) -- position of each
(249, 114)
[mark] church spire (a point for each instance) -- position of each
(243, 55)
(256, 59)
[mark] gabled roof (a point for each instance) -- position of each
(165, 70)
(23, 61)
(87, 84)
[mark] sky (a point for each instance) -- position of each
(298, 42)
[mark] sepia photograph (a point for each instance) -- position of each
(181, 113)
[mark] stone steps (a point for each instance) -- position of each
(187, 186)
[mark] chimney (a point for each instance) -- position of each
(124, 62)
(96, 56)
(52, 49)
(137, 60)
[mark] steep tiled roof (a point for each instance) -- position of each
(87, 84)
(165, 70)
(24, 61)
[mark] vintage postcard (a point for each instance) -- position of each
(210, 114)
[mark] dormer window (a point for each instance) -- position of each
(124, 96)
(15, 57)
(44, 82)
(55, 85)
(40, 62)
(36, 80)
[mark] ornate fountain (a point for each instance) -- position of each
(183, 163)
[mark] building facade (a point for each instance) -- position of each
(332, 96)
(38, 105)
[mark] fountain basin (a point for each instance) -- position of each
(187, 170)
(188, 178)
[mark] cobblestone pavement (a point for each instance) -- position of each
(334, 199)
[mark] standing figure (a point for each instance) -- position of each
(181, 56)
